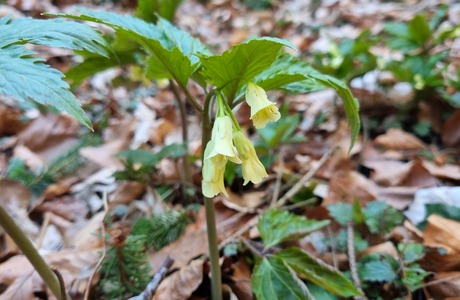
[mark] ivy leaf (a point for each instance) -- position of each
(175, 51)
(294, 75)
(272, 279)
(276, 226)
(24, 77)
(53, 33)
(231, 70)
(318, 272)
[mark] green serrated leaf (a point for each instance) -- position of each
(341, 212)
(318, 272)
(286, 73)
(175, 50)
(381, 217)
(272, 279)
(411, 252)
(53, 33)
(276, 226)
(24, 77)
(377, 270)
(235, 67)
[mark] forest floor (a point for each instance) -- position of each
(77, 198)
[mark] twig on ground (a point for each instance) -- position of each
(279, 176)
(296, 188)
(300, 204)
(251, 223)
(155, 282)
(352, 260)
(104, 247)
(251, 247)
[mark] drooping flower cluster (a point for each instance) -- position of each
(228, 142)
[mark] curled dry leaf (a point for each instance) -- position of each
(445, 284)
(442, 233)
(446, 171)
(396, 139)
(181, 284)
(247, 203)
(50, 135)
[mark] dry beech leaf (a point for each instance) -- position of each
(447, 285)
(15, 198)
(241, 280)
(191, 244)
(451, 130)
(104, 155)
(396, 139)
(126, 192)
(384, 248)
(442, 233)
(446, 171)
(248, 202)
(400, 197)
(347, 186)
(10, 122)
(181, 284)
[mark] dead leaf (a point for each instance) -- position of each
(347, 186)
(442, 233)
(50, 135)
(126, 192)
(191, 244)
(446, 171)
(445, 284)
(105, 154)
(10, 122)
(247, 202)
(396, 139)
(384, 248)
(241, 280)
(181, 284)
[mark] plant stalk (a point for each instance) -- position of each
(216, 279)
(31, 253)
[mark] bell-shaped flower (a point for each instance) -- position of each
(262, 109)
(221, 147)
(253, 169)
(213, 173)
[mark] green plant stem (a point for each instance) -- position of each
(30, 252)
(191, 99)
(185, 160)
(216, 281)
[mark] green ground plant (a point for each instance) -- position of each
(240, 75)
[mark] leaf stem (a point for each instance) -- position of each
(31, 253)
(185, 161)
(216, 280)
(191, 99)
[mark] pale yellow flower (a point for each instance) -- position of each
(222, 147)
(253, 169)
(213, 173)
(262, 109)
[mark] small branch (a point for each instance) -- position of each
(31, 253)
(251, 223)
(298, 186)
(352, 259)
(251, 247)
(101, 260)
(279, 176)
(300, 204)
(150, 289)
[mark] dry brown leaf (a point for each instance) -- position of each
(446, 171)
(15, 198)
(74, 265)
(125, 193)
(400, 197)
(451, 130)
(347, 186)
(181, 284)
(241, 280)
(50, 135)
(10, 122)
(384, 248)
(396, 139)
(191, 244)
(442, 233)
(248, 202)
(104, 155)
(445, 285)
(66, 206)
